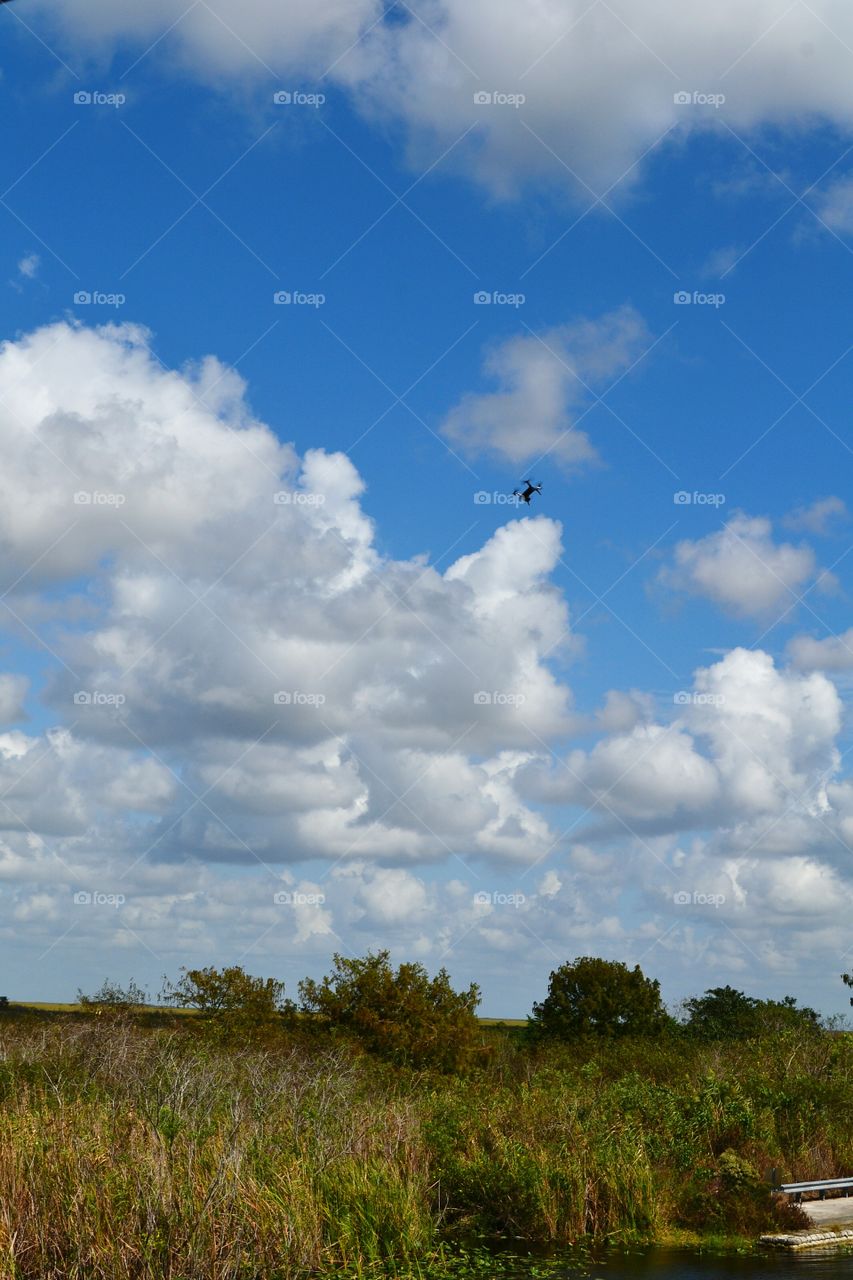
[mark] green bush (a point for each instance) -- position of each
(231, 1004)
(594, 997)
(405, 1016)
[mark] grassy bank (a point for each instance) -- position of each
(132, 1151)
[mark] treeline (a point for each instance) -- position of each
(414, 1020)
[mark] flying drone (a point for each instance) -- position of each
(527, 492)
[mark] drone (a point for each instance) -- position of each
(527, 492)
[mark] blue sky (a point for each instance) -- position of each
(614, 778)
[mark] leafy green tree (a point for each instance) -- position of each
(590, 996)
(724, 1013)
(777, 1014)
(403, 1015)
(231, 1003)
(847, 979)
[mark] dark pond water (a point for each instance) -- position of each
(676, 1264)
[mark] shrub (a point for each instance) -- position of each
(732, 1197)
(602, 998)
(111, 997)
(406, 1016)
(231, 1003)
(723, 1013)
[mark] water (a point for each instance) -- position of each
(682, 1264)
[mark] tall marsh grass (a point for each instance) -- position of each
(129, 1153)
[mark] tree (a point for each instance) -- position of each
(404, 1015)
(847, 979)
(590, 996)
(723, 1013)
(111, 996)
(230, 1002)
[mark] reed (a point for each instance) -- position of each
(130, 1152)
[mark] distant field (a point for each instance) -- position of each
(40, 1004)
(43, 1006)
(47, 1007)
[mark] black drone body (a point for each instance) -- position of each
(527, 492)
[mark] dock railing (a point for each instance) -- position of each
(798, 1189)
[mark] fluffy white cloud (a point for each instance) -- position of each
(772, 733)
(653, 772)
(392, 896)
(833, 653)
(741, 568)
(13, 692)
(819, 517)
(834, 205)
(748, 741)
(215, 38)
(599, 80)
(251, 673)
(545, 380)
(622, 711)
(178, 783)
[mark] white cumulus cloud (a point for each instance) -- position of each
(544, 383)
(741, 568)
(601, 82)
